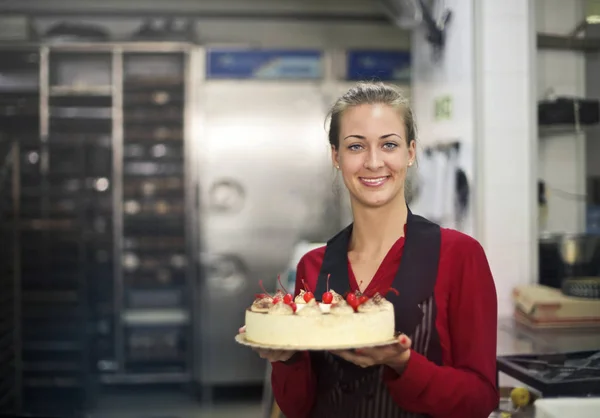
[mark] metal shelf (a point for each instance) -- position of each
(57, 212)
(80, 90)
(90, 108)
(155, 317)
(142, 378)
(154, 190)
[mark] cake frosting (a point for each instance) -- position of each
(301, 321)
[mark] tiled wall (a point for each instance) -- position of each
(506, 146)
(562, 161)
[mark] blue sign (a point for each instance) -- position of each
(264, 64)
(378, 65)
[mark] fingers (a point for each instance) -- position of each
(275, 355)
(381, 354)
(367, 357)
(404, 341)
(242, 329)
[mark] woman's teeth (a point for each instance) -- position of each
(373, 182)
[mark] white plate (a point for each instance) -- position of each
(241, 339)
(567, 407)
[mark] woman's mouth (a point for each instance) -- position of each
(373, 181)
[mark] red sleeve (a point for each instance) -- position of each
(465, 386)
(294, 385)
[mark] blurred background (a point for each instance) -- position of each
(159, 158)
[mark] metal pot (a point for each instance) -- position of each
(564, 256)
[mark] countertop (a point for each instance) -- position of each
(515, 338)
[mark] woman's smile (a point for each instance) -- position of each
(374, 181)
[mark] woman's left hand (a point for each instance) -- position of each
(395, 355)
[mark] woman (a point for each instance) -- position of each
(444, 364)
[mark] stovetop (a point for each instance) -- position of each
(563, 374)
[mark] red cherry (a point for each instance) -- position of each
(260, 296)
(327, 297)
(276, 301)
(308, 296)
(362, 299)
(288, 299)
(293, 306)
(351, 298)
(352, 301)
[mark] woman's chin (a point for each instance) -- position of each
(378, 199)
(375, 201)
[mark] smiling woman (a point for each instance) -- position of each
(373, 139)
(444, 361)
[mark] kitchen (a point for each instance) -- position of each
(115, 82)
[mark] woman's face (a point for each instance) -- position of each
(373, 155)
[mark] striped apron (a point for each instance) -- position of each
(345, 390)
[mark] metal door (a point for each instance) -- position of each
(266, 182)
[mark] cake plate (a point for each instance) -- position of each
(241, 339)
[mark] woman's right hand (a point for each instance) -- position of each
(271, 355)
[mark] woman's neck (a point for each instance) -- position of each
(375, 230)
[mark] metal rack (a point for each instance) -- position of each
(135, 202)
(57, 197)
(105, 182)
(155, 334)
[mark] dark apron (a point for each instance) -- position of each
(345, 390)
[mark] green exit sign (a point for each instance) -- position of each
(443, 108)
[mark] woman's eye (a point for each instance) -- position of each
(354, 147)
(390, 145)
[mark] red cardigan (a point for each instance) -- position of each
(465, 385)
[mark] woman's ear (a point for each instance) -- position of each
(412, 151)
(335, 157)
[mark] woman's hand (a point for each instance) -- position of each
(395, 355)
(272, 355)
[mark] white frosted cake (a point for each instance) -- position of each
(302, 322)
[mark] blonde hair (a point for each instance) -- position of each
(371, 93)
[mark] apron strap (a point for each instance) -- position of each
(415, 281)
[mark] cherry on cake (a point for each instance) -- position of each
(302, 322)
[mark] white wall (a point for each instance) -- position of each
(487, 69)
(506, 142)
(562, 161)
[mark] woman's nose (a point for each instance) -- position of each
(374, 160)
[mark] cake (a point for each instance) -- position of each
(280, 320)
